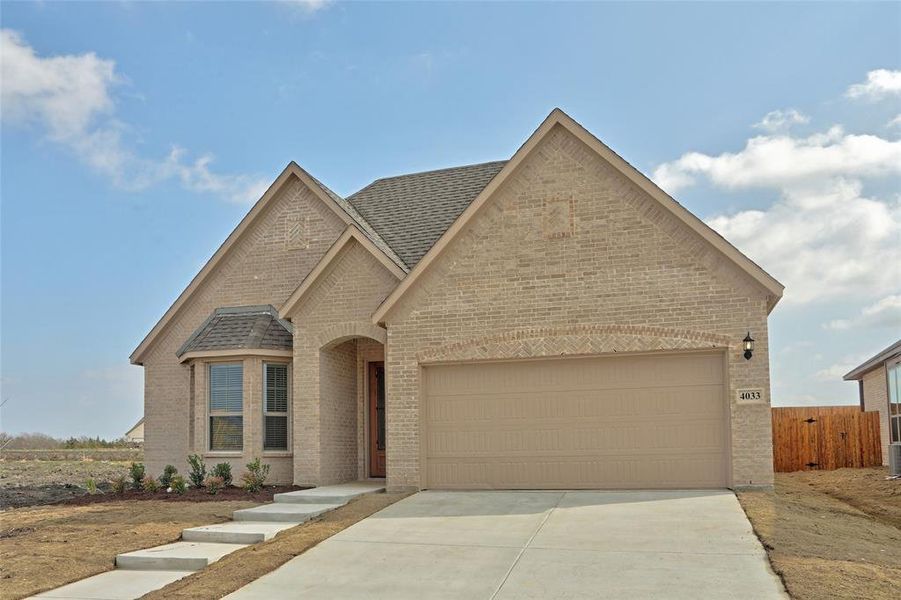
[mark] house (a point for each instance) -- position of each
(136, 433)
(879, 383)
(554, 320)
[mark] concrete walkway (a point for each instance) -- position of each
(143, 571)
(504, 545)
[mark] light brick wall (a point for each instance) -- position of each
(875, 397)
(570, 256)
(263, 267)
(336, 309)
(338, 413)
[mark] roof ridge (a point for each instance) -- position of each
(364, 225)
(426, 172)
(246, 309)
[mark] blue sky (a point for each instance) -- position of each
(135, 135)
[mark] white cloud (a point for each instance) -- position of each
(822, 237)
(896, 122)
(63, 93)
(799, 346)
(308, 7)
(837, 371)
(886, 313)
(879, 84)
(70, 98)
(822, 242)
(782, 160)
(779, 120)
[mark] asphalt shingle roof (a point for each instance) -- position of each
(365, 227)
(410, 212)
(241, 327)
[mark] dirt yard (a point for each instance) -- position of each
(240, 568)
(38, 482)
(33, 482)
(832, 534)
(45, 547)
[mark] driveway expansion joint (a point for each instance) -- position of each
(528, 542)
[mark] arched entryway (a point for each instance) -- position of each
(352, 441)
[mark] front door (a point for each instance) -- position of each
(376, 419)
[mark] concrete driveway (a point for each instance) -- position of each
(682, 544)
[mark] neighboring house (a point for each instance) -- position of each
(550, 321)
(879, 382)
(136, 433)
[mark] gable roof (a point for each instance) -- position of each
(351, 233)
(135, 426)
(558, 117)
(240, 328)
(410, 212)
(874, 362)
(339, 206)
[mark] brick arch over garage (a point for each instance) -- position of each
(338, 334)
(575, 340)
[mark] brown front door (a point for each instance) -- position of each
(376, 419)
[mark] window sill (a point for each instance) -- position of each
(277, 453)
(222, 454)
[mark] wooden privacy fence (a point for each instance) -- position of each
(825, 437)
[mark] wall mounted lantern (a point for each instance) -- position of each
(748, 345)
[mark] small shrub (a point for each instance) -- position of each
(91, 486)
(178, 484)
(166, 477)
(136, 470)
(214, 484)
(150, 485)
(119, 484)
(223, 470)
(255, 476)
(198, 471)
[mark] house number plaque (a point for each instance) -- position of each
(749, 395)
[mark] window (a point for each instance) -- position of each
(275, 406)
(226, 406)
(894, 400)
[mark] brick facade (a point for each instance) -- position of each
(333, 339)
(263, 267)
(569, 256)
(875, 397)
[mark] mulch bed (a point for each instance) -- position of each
(21, 496)
(191, 495)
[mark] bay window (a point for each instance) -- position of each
(226, 407)
(275, 406)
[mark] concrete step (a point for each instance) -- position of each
(115, 585)
(283, 512)
(330, 494)
(180, 556)
(235, 532)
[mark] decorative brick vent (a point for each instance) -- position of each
(558, 217)
(298, 237)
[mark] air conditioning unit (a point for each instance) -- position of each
(894, 459)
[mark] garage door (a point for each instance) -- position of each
(649, 421)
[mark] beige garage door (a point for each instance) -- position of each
(650, 421)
